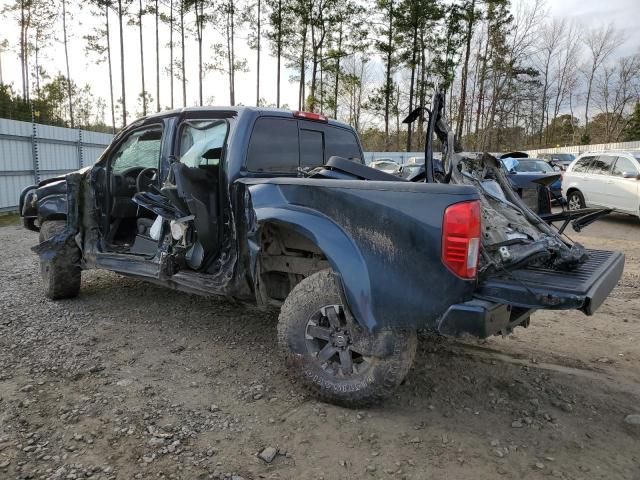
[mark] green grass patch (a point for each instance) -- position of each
(9, 219)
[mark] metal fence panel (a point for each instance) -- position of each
(32, 152)
(398, 157)
(15, 139)
(10, 188)
(578, 149)
(90, 154)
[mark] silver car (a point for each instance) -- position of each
(604, 179)
(562, 160)
(386, 165)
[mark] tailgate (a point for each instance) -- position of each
(584, 288)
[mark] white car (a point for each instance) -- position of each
(415, 161)
(386, 165)
(604, 179)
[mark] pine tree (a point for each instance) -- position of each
(631, 131)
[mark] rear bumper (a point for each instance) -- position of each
(584, 288)
(502, 303)
(481, 319)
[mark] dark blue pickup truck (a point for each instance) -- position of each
(277, 209)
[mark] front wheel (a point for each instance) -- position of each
(575, 200)
(60, 273)
(333, 356)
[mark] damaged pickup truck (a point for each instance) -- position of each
(277, 209)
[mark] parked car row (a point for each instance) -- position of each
(603, 179)
(386, 165)
(525, 174)
(389, 165)
(561, 160)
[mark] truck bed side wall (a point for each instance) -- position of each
(383, 238)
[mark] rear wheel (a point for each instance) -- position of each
(575, 200)
(60, 273)
(331, 355)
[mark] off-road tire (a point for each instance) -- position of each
(576, 198)
(61, 274)
(377, 381)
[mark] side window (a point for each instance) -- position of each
(343, 143)
(140, 149)
(202, 142)
(624, 165)
(602, 165)
(273, 147)
(582, 165)
(311, 148)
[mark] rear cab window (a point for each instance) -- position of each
(311, 147)
(342, 143)
(273, 147)
(281, 145)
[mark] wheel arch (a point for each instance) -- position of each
(339, 250)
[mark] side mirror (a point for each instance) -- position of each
(556, 168)
(630, 175)
(213, 153)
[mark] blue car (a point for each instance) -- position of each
(523, 173)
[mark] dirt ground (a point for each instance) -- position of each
(131, 380)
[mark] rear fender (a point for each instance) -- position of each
(342, 254)
(379, 237)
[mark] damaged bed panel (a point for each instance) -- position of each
(513, 236)
(382, 238)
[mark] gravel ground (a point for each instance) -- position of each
(131, 380)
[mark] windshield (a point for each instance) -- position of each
(202, 142)
(141, 149)
(532, 166)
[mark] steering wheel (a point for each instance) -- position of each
(145, 178)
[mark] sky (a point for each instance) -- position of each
(84, 70)
(623, 14)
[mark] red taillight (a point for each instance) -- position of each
(311, 116)
(461, 238)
